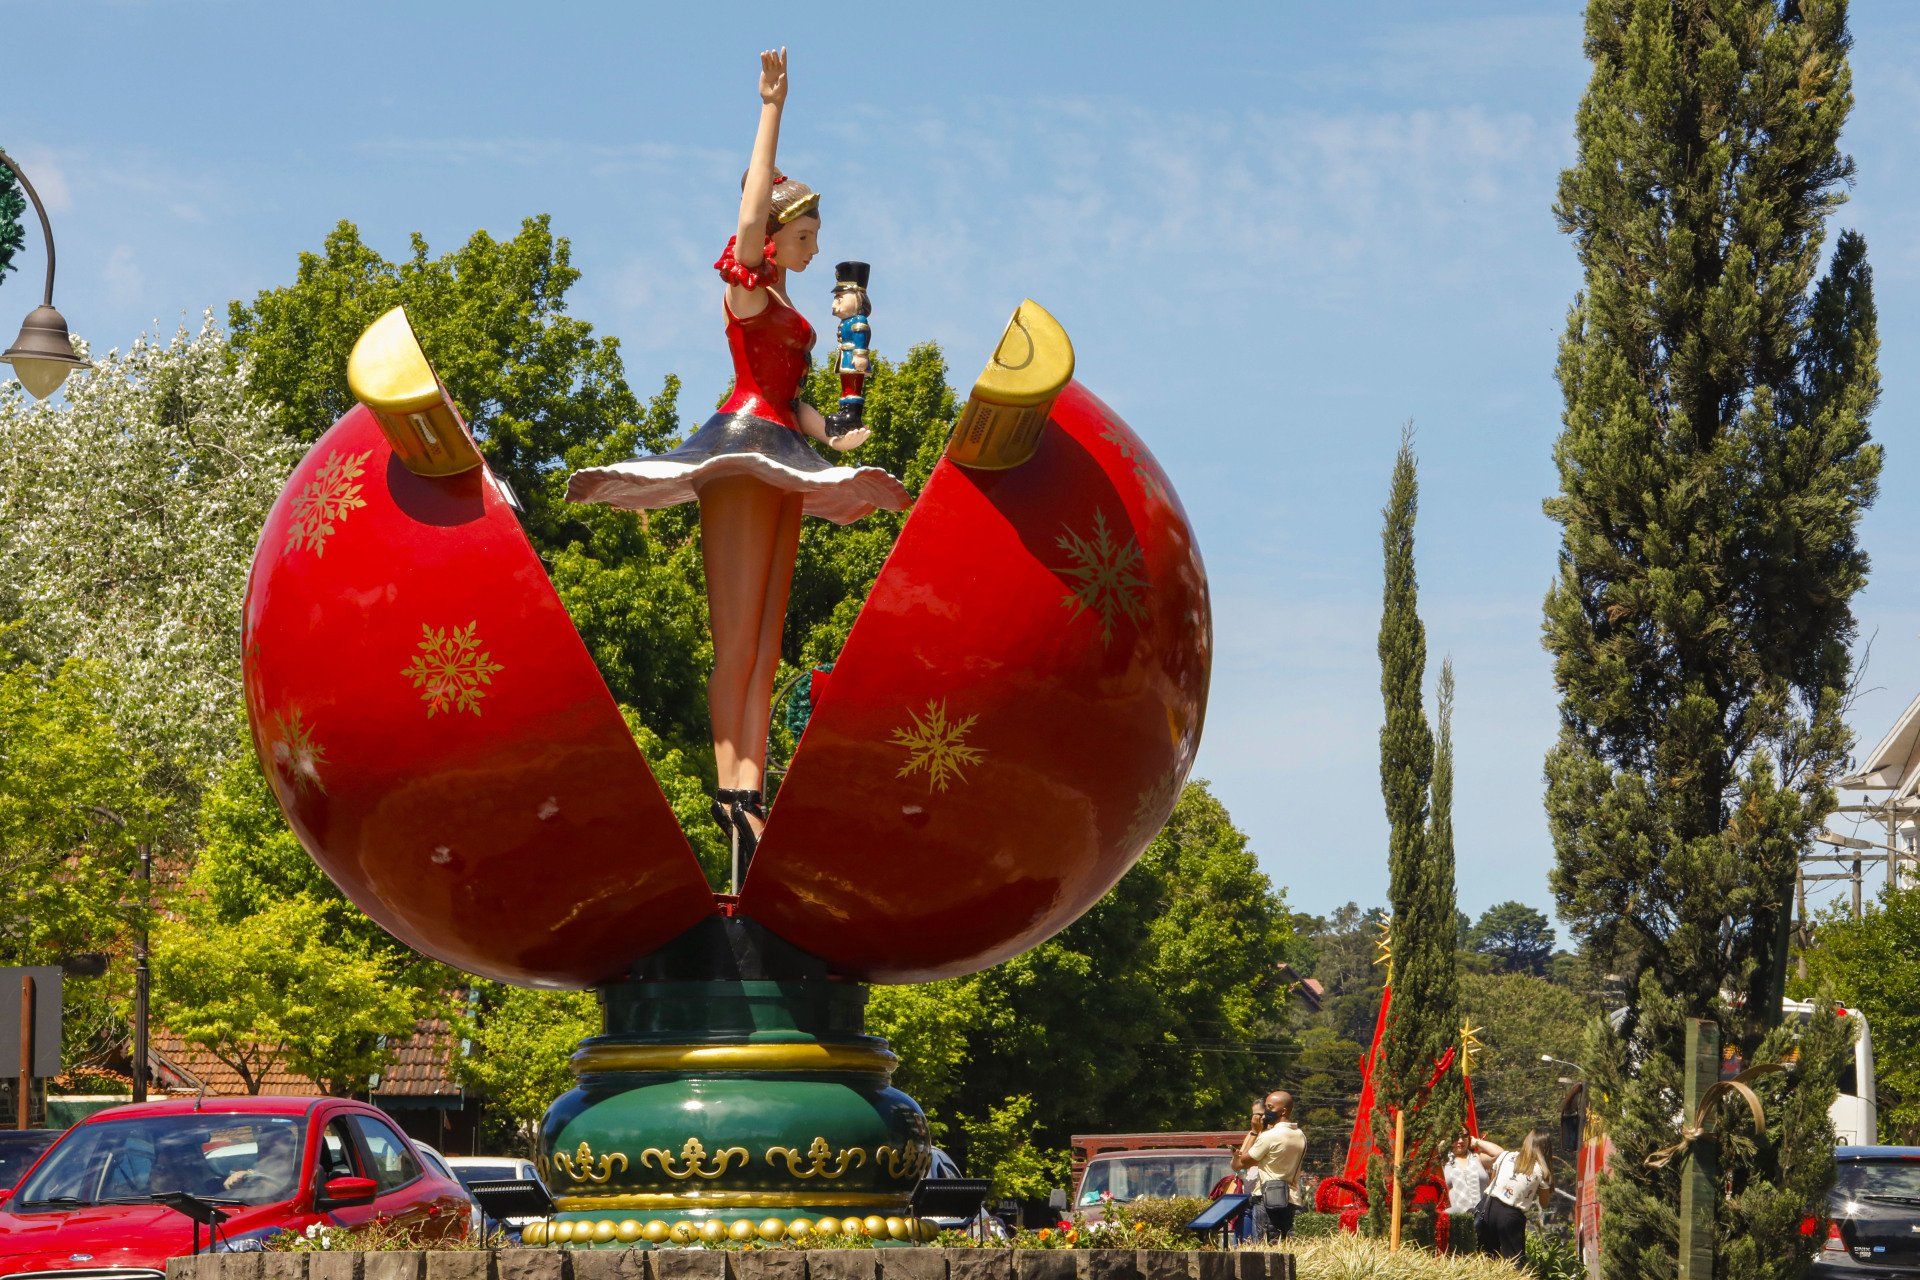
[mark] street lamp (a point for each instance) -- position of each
(43, 353)
(1562, 1062)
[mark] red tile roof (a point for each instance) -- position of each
(182, 1068)
(421, 1067)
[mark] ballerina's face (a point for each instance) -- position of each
(796, 243)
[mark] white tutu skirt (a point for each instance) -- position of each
(740, 444)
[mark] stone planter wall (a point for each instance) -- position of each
(758, 1264)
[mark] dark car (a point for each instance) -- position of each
(19, 1148)
(1874, 1212)
(99, 1200)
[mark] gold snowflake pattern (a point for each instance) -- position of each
(451, 671)
(1132, 452)
(296, 754)
(938, 746)
(329, 497)
(1104, 576)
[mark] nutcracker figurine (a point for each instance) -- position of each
(852, 309)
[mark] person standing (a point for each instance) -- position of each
(1516, 1181)
(1466, 1177)
(1270, 1155)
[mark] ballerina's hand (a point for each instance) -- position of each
(773, 77)
(851, 440)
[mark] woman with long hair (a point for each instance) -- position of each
(752, 471)
(1516, 1182)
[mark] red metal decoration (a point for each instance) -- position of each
(437, 734)
(1010, 721)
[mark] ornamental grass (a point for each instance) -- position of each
(1349, 1257)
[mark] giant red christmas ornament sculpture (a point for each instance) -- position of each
(1008, 725)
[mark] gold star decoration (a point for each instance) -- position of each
(1104, 577)
(938, 746)
(1470, 1045)
(328, 498)
(451, 671)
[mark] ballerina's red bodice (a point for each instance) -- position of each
(771, 353)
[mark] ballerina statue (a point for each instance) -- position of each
(752, 471)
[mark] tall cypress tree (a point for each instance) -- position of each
(1714, 465)
(1418, 790)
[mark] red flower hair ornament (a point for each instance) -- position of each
(736, 272)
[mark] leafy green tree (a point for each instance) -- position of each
(1002, 1140)
(1714, 465)
(1416, 780)
(1325, 1082)
(277, 987)
(534, 382)
(128, 516)
(1521, 1017)
(521, 1040)
(73, 810)
(1873, 963)
(1516, 935)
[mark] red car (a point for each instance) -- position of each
(94, 1202)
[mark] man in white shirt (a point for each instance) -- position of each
(1271, 1154)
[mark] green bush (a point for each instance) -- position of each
(1168, 1215)
(1554, 1257)
(1315, 1226)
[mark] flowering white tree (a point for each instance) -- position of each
(128, 515)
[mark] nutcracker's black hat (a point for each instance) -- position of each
(851, 275)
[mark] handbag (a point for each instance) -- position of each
(1276, 1194)
(1485, 1206)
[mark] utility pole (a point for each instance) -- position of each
(23, 1101)
(142, 978)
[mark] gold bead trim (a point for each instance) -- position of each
(734, 1057)
(823, 1231)
(701, 1198)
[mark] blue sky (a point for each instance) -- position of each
(1276, 232)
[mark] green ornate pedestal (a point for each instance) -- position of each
(733, 1094)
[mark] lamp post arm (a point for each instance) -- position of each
(46, 228)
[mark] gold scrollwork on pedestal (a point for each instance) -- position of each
(584, 1166)
(694, 1159)
(910, 1160)
(824, 1163)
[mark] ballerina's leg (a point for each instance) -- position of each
(757, 706)
(739, 520)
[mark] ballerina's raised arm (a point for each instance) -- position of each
(756, 192)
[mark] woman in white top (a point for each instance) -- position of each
(1516, 1180)
(1466, 1177)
